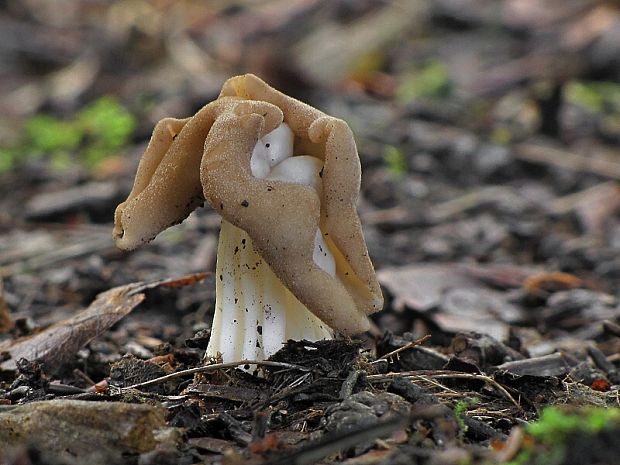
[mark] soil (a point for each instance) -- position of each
(488, 133)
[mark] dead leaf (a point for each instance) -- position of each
(5, 318)
(57, 344)
(477, 309)
(501, 276)
(460, 293)
(186, 280)
(595, 209)
(544, 283)
(421, 287)
(600, 384)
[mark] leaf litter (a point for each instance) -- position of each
(492, 219)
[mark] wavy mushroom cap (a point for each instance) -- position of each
(167, 186)
(280, 217)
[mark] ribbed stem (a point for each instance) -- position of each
(254, 312)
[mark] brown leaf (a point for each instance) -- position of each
(55, 345)
(461, 294)
(5, 318)
(543, 283)
(601, 385)
(186, 280)
(596, 208)
(421, 286)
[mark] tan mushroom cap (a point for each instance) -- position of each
(167, 186)
(280, 217)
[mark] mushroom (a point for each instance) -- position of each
(292, 262)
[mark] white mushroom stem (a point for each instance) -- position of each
(254, 312)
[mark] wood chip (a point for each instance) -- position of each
(96, 432)
(546, 365)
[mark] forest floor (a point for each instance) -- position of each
(489, 137)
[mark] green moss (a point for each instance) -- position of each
(459, 410)
(395, 161)
(95, 133)
(551, 436)
(108, 126)
(46, 134)
(430, 80)
(597, 97)
(555, 423)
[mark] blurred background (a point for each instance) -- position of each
(488, 130)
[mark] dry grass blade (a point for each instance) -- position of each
(217, 366)
(415, 343)
(426, 375)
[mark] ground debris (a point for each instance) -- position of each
(97, 432)
(58, 343)
(94, 196)
(226, 392)
(488, 134)
(54, 346)
(131, 370)
(6, 322)
(545, 365)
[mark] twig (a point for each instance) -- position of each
(330, 444)
(59, 254)
(216, 366)
(563, 205)
(470, 200)
(422, 374)
(438, 384)
(568, 160)
(411, 344)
